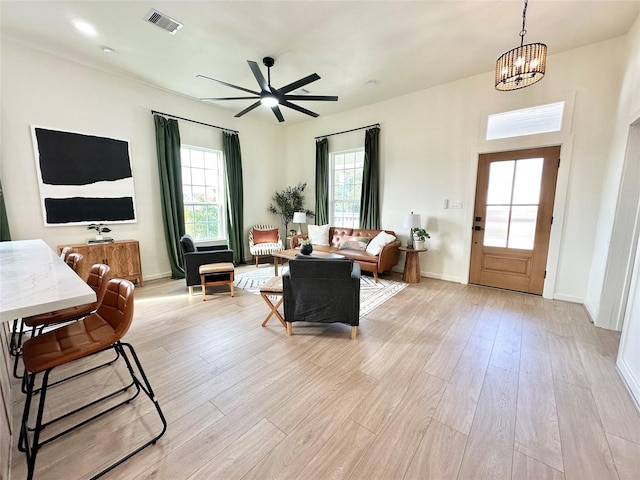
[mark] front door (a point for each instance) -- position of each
(512, 218)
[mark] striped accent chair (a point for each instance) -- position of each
(264, 240)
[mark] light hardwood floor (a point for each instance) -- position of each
(445, 381)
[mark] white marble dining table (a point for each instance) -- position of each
(34, 280)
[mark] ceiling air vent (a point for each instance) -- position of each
(163, 21)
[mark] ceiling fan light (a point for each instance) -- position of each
(269, 101)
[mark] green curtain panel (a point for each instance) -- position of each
(5, 234)
(370, 195)
(235, 194)
(322, 181)
(170, 172)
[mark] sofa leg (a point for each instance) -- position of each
(257, 257)
(375, 276)
(354, 332)
(289, 332)
(190, 289)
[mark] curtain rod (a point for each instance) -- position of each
(153, 112)
(347, 131)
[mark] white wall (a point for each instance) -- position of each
(44, 90)
(607, 247)
(430, 141)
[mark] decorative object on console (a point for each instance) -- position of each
(306, 247)
(411, 221)
(299, 218)
(100, 228)
(287, 203)
(523, 65)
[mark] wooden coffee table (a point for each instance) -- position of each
(291, 253)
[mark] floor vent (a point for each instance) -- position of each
(163, 21)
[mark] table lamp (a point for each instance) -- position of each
(411, 221)
(299, 218)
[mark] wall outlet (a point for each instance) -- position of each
(455, 203)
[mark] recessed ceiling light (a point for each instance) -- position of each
(371, 82)
(85, 28)
(107, 50)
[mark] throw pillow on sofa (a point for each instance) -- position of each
(319, 234)
(354, 243)
(379, 241)
(265, 236)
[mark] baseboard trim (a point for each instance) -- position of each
(630, 382)
(568, 298)
(157, 276)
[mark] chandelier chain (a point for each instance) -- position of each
(523, 32)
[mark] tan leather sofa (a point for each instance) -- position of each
(383, 262)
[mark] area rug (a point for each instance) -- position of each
(372, 294)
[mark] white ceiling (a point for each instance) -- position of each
(365, 51)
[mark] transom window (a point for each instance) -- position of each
(345, 188)
(203, 193)
(512, 203)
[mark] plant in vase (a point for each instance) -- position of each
(306, 247)
(287, 202)
(419, 237)
(100, 228)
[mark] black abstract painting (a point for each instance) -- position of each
(83, 178)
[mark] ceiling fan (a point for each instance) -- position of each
(273, 97)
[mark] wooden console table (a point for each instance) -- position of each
(411, 264)
(123, 256)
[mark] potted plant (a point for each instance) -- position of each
(419, 237)
(100, 228)
(287, 202)
(306, 247)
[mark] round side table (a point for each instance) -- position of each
(411, 264)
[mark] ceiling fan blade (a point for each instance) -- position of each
(229, 85)
(227, 98)
(248, 109)
(277, 113)
(285, 103)
(259, 77)
(300, 83)
(322, 98)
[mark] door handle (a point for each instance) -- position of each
(477, 228)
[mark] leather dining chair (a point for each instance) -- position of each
(73, 259)
(98, 279)
(98, 332)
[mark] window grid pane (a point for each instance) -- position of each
(344, 201)
(203, 193)
(512, 203)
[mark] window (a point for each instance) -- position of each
(345, 187)
(528, 121)
(512, 203)
(203, 193)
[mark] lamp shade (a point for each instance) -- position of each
(299, 217)
(411, 220)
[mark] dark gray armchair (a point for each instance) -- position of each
(322, 290)
(196, 256)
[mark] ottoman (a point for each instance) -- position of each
(216, 274)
